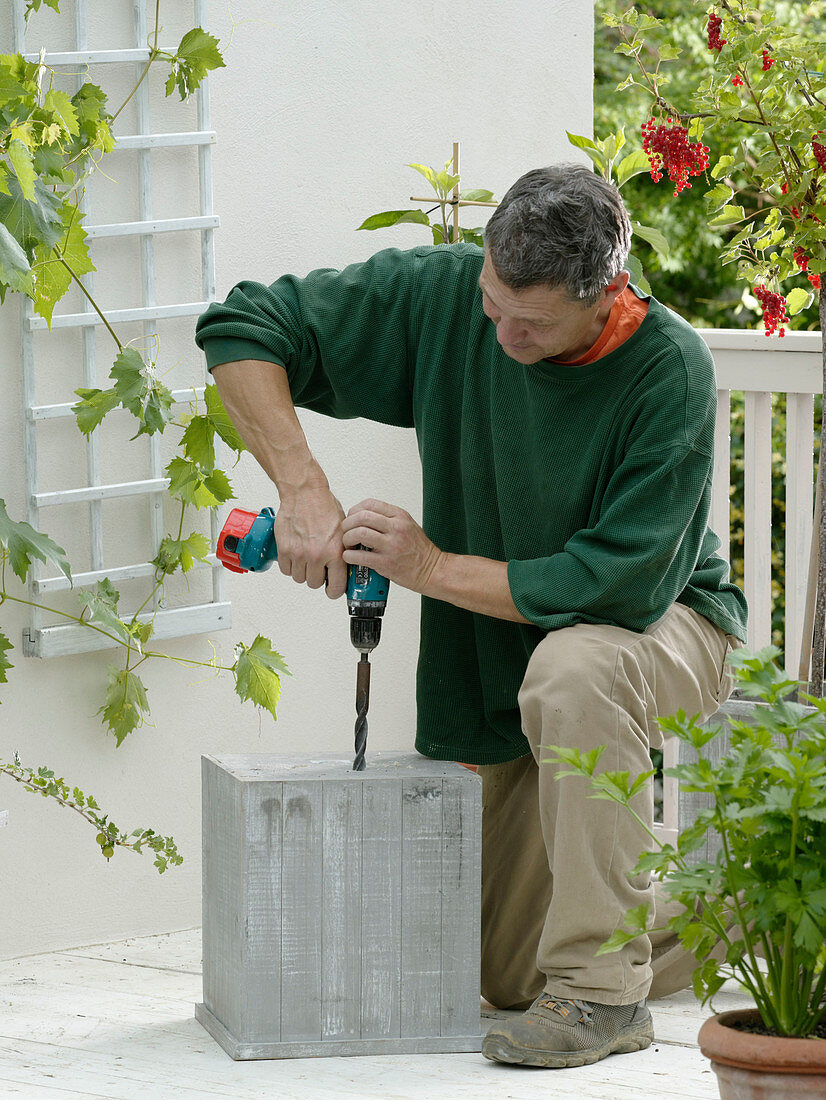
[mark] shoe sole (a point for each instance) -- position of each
(498, 1049)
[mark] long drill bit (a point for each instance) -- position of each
(362, 703)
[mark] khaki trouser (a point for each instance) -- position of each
(556, 863)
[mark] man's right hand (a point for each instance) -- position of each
(308, 537)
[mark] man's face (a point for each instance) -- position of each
(541, 322)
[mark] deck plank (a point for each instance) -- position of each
(115, 1021)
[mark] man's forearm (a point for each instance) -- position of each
(477, 584)
(256, 395)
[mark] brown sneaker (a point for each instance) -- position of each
(556, 1033)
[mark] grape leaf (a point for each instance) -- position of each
(60, 104)
(183, 552)
(103, 610)
(34, 5)
(5, 663)
(219, 418)
(126, 705)
(15, 270)
(21, 162)
(94, 404)
(32, 223)
(23, 543)
(193, 485)
(197, 442)
(197, 53)
(256, 670)
(141, 392)
(53, 277)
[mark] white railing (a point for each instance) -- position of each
(757, 366)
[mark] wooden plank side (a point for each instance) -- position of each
(301, 912)
(341, 910)
(461, 905)
(381, 960)
(260, 913)
(799, 510)
(422, 836)
(221, 892)
(720, 520)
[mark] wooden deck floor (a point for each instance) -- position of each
(116, 1021)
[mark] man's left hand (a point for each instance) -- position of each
(399, 548)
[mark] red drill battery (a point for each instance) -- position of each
(235, 529)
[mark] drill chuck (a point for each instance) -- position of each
(365, 631)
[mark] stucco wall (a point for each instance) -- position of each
(317, 113)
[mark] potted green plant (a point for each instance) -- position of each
(757, 911)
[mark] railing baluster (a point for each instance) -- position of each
(758, 516)
(799, 505)
(720, 502)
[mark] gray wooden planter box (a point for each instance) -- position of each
(341, 909)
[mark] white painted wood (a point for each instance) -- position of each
(95, 57)
(381, 910)
(60, 641)
(667, 830)
(100, 492)
(4, 818)
(121, 573)
(341, 878)
(720, 519)
(757, 523)
(155, 141)
(64, 408)
(119, 316)
(161, 225)
(115, 1021)
(799, 515)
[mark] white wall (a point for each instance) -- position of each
(317, 113)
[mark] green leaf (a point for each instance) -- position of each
(140, 391)
(34, 5)
(721, 167)
(257, 669)
(22, 162)
(126, 706)
(15, 269)
(729, 215)
(632, 165)
(5, 663)
(24, 543)
(653, 236)
(219, 418)
(637, 278)
(183, 552)
(798, 299)
(195, 486)
(94, 404)
(53, 278)
(476, 196)
(197, 441)
(32, 223)
(591, 148)
(195, 56)
(59, 103)
(428, 173)
(102, 604)
(394, 217)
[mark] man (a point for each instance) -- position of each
(570, 587)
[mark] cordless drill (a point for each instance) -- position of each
(247, 544)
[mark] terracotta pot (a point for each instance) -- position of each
(761, 1067)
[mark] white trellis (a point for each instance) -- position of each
(44, 640)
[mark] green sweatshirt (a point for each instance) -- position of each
(593, 483)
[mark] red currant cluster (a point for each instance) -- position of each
(715, 42)
(774, 310)
(767, 61)
(669, 150)
(737, 79)
(802, 261)
(820, 154)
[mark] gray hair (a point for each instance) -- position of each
(560, 226)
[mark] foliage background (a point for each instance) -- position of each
(691, 280)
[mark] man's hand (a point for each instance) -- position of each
(399, 548)
(308, 537)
